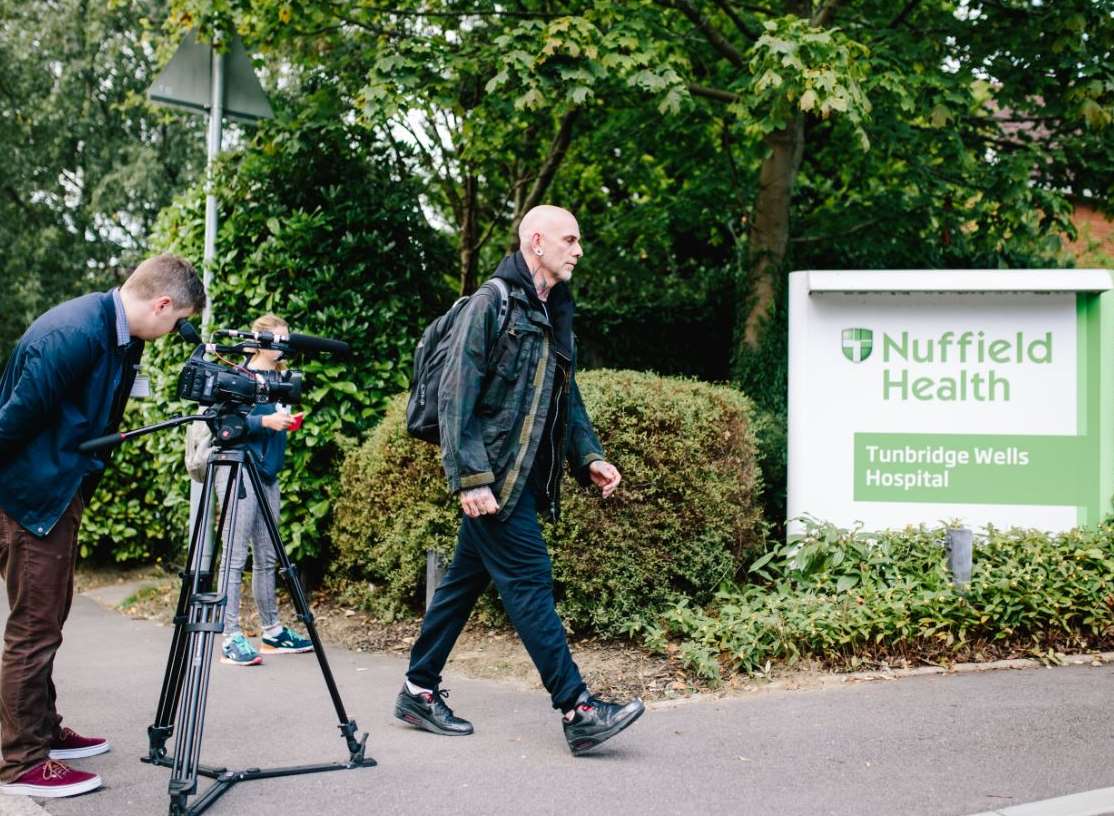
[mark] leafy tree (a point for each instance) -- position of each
(947, 132)
(482, 99)
(658, 204)
(88, 164)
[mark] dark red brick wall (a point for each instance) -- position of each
(1093, 227)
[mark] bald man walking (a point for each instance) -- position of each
(510, 415)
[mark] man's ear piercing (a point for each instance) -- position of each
(539, 251)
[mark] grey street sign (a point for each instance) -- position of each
(186, 82)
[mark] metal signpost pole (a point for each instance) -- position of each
(202, 80)
(216, 115)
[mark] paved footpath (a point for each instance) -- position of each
(954, 745)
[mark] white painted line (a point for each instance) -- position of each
(1092, 803)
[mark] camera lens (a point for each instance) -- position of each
(288, 389)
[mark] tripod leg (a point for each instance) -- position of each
(206, 620)
(196, 577)
(290, 575)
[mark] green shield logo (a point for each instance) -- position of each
(857, 344)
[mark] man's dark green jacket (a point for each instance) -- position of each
(497, 390)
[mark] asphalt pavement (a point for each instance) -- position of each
(950, 745)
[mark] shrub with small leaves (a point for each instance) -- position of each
(849, 597)
(685, 517)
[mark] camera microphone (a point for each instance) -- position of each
(295, 342)
(307, 342)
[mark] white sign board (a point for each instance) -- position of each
(923, 397)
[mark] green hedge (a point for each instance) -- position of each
(845, 597)
(317, 227)
(685, 517)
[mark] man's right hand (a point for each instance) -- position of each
(478, 501)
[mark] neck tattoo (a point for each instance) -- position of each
(541, 284)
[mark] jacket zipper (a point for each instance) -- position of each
(551, 484)
(553, 469)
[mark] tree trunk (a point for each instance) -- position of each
(556, 154)
(769, 232)
(469, 251)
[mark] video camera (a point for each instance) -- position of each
(212, 383)
(230, 390)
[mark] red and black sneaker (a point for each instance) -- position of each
(51, 780)
(74, 746)
(596, 721)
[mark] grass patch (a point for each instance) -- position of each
(142, 595)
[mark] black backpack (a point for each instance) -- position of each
(429, 360)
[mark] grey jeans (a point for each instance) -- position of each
(250, 527)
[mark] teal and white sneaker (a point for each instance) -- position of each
(238, 652)
(286, 642)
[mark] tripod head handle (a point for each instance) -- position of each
(114, 439)
(101, 443)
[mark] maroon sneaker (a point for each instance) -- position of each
(74, 746)
(51, 780)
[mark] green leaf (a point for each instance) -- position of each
(579, 94)
(496, 81)
(761, 562)
(530, 100)
(940, 116)
(770, 79)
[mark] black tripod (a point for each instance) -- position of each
(197, 623)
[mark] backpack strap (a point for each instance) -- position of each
(504, 304)
(504, 312)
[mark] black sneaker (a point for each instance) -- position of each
(428, 710)
(596, 721)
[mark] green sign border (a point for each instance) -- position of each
(1095, 397)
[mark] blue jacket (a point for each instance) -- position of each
(66, 381)
(267, 447)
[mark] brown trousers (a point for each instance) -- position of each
(38, 573)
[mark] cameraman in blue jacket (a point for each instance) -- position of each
(67, 381)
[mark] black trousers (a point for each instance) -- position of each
(514, 556)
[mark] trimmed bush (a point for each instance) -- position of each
(685, 517)
(849, 598)
(390, 506)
